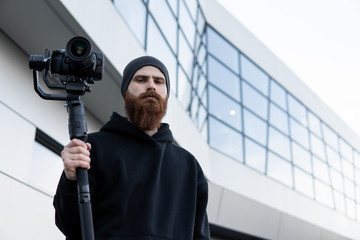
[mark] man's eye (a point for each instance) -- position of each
(159, 81)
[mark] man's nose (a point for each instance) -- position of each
(151, 85)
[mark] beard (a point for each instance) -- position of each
(145, 111)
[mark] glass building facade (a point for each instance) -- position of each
(241, 110)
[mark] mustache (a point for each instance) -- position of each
(150, 94)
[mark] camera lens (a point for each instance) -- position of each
(80, 54)
(78, 49)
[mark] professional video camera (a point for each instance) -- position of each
(74, 68)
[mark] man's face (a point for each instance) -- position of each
(146, 98)
(148, 78)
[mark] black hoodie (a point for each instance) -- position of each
(142, 188)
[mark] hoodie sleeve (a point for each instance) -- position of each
(66, 208)
(201, 229)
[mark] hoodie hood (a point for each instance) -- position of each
(121, 125)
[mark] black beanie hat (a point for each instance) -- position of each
(138, 63)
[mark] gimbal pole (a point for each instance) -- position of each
(78, 129)
(73, 70)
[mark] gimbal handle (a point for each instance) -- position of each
(78, 129)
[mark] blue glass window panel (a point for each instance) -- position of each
(187, 24)
(136, 22)
(314, 124)
(323, 194)
(185, 55)
(349, 188)
(157, 47)
(303, 182)
(279, 119)
(224, 79)
(200, 22)
(346, 150)
(255, 155)
(297, 110)
(337, 180)
(279, 169)
(222, 50)
(184, 89)
(321, 170)
(254, 75)
(204, 68)
(201, 54)
(165, 19)
(192, 7)
(255, 101)
(339, 202)
(254, 127)
(301, 157)
(278, 95)
(224, 108)
(333, 158)
(197, 42)
(330, 137)
(195, 77)
(204, 98)
(173, 5)
(348, 169)
(299, 133)
(226, 140)
(279, 143)
(202, 86)
(202, 115)
(317, 146)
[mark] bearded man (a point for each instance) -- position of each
(143, 186)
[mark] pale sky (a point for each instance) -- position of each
(319, 40)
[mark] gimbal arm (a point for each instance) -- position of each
(43, 94)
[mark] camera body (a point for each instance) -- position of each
(75, 63)
(74, 68)
(61, 65)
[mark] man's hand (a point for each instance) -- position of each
(75, 154)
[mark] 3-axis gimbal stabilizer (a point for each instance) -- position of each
(72, 70)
